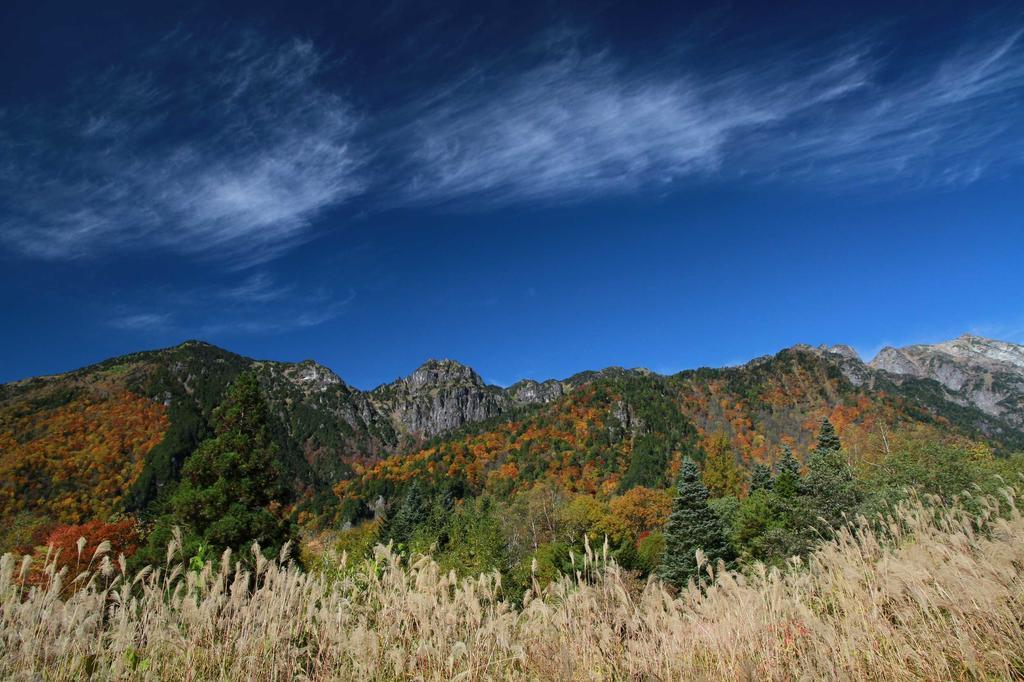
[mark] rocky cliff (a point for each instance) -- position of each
(972, 370)
(441, 395)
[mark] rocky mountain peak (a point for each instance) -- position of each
(442, 373)
(894, 360)
(311, 375)
(839, 349)
(967, 349)
(528, 391)
(974, 370)
(845, 357)
(983, 350)
(844, 350)
(439, 396)
(196, 343)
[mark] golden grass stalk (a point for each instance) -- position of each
(928, 593)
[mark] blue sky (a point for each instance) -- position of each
(532, 190)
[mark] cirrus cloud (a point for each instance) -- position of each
(200, 147)
(578, 125)
(234, 148)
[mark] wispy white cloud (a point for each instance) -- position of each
(1008, 331)
(579, 125)
(234, 148)
(213, 149)
(142, 322)
(295, 313)
(258, 306)
(945, 125)
(257, 288)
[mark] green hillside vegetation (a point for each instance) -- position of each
(786, 449)
(627, 483)
(795, 507)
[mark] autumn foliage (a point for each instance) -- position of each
(75, 461)
(640, 510)
(73, 547)
(567, 445)
(122, 535)
(603, 438)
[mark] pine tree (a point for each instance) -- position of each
(788, 483)
(774, 524)
(828, 439)
(722, 476)
(761, 478)
(231, 483)
(476, 544)
(830, 487)
(411, 513)
(692, 525)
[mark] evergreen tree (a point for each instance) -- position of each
(412, 512)
(230, 485)
(722, 476)
(788, 483)
(476, 541)
(755, 516)
(774, 524)
(828, 439)
(832, 492)
(692, 525)
(761, 478)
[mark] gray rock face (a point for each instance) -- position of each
(843, 350)
(445, 408)
(311, 376)
(976, 371)
(895, 361)
(434, 373)
(528, 391)
(439, 396)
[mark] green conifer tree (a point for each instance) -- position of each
(231, 484)
(832, 492)
(828, 439)
(788, 483)
(412, 512)
(761, 478)
(774, 524)
(692, 525)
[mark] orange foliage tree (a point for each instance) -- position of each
(640, 510)
(74, 547)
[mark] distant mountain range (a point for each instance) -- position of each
(113, 435)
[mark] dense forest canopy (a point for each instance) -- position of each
(752, 463)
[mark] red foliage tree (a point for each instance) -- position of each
(123, 536)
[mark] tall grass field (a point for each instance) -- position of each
(929, 592)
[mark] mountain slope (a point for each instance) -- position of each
(616, 429)
(125, 426)
(114, 435)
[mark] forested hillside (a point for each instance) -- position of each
(746, 491)
(530, 468)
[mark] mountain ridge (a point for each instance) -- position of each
(330, 432)
(444, 394)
